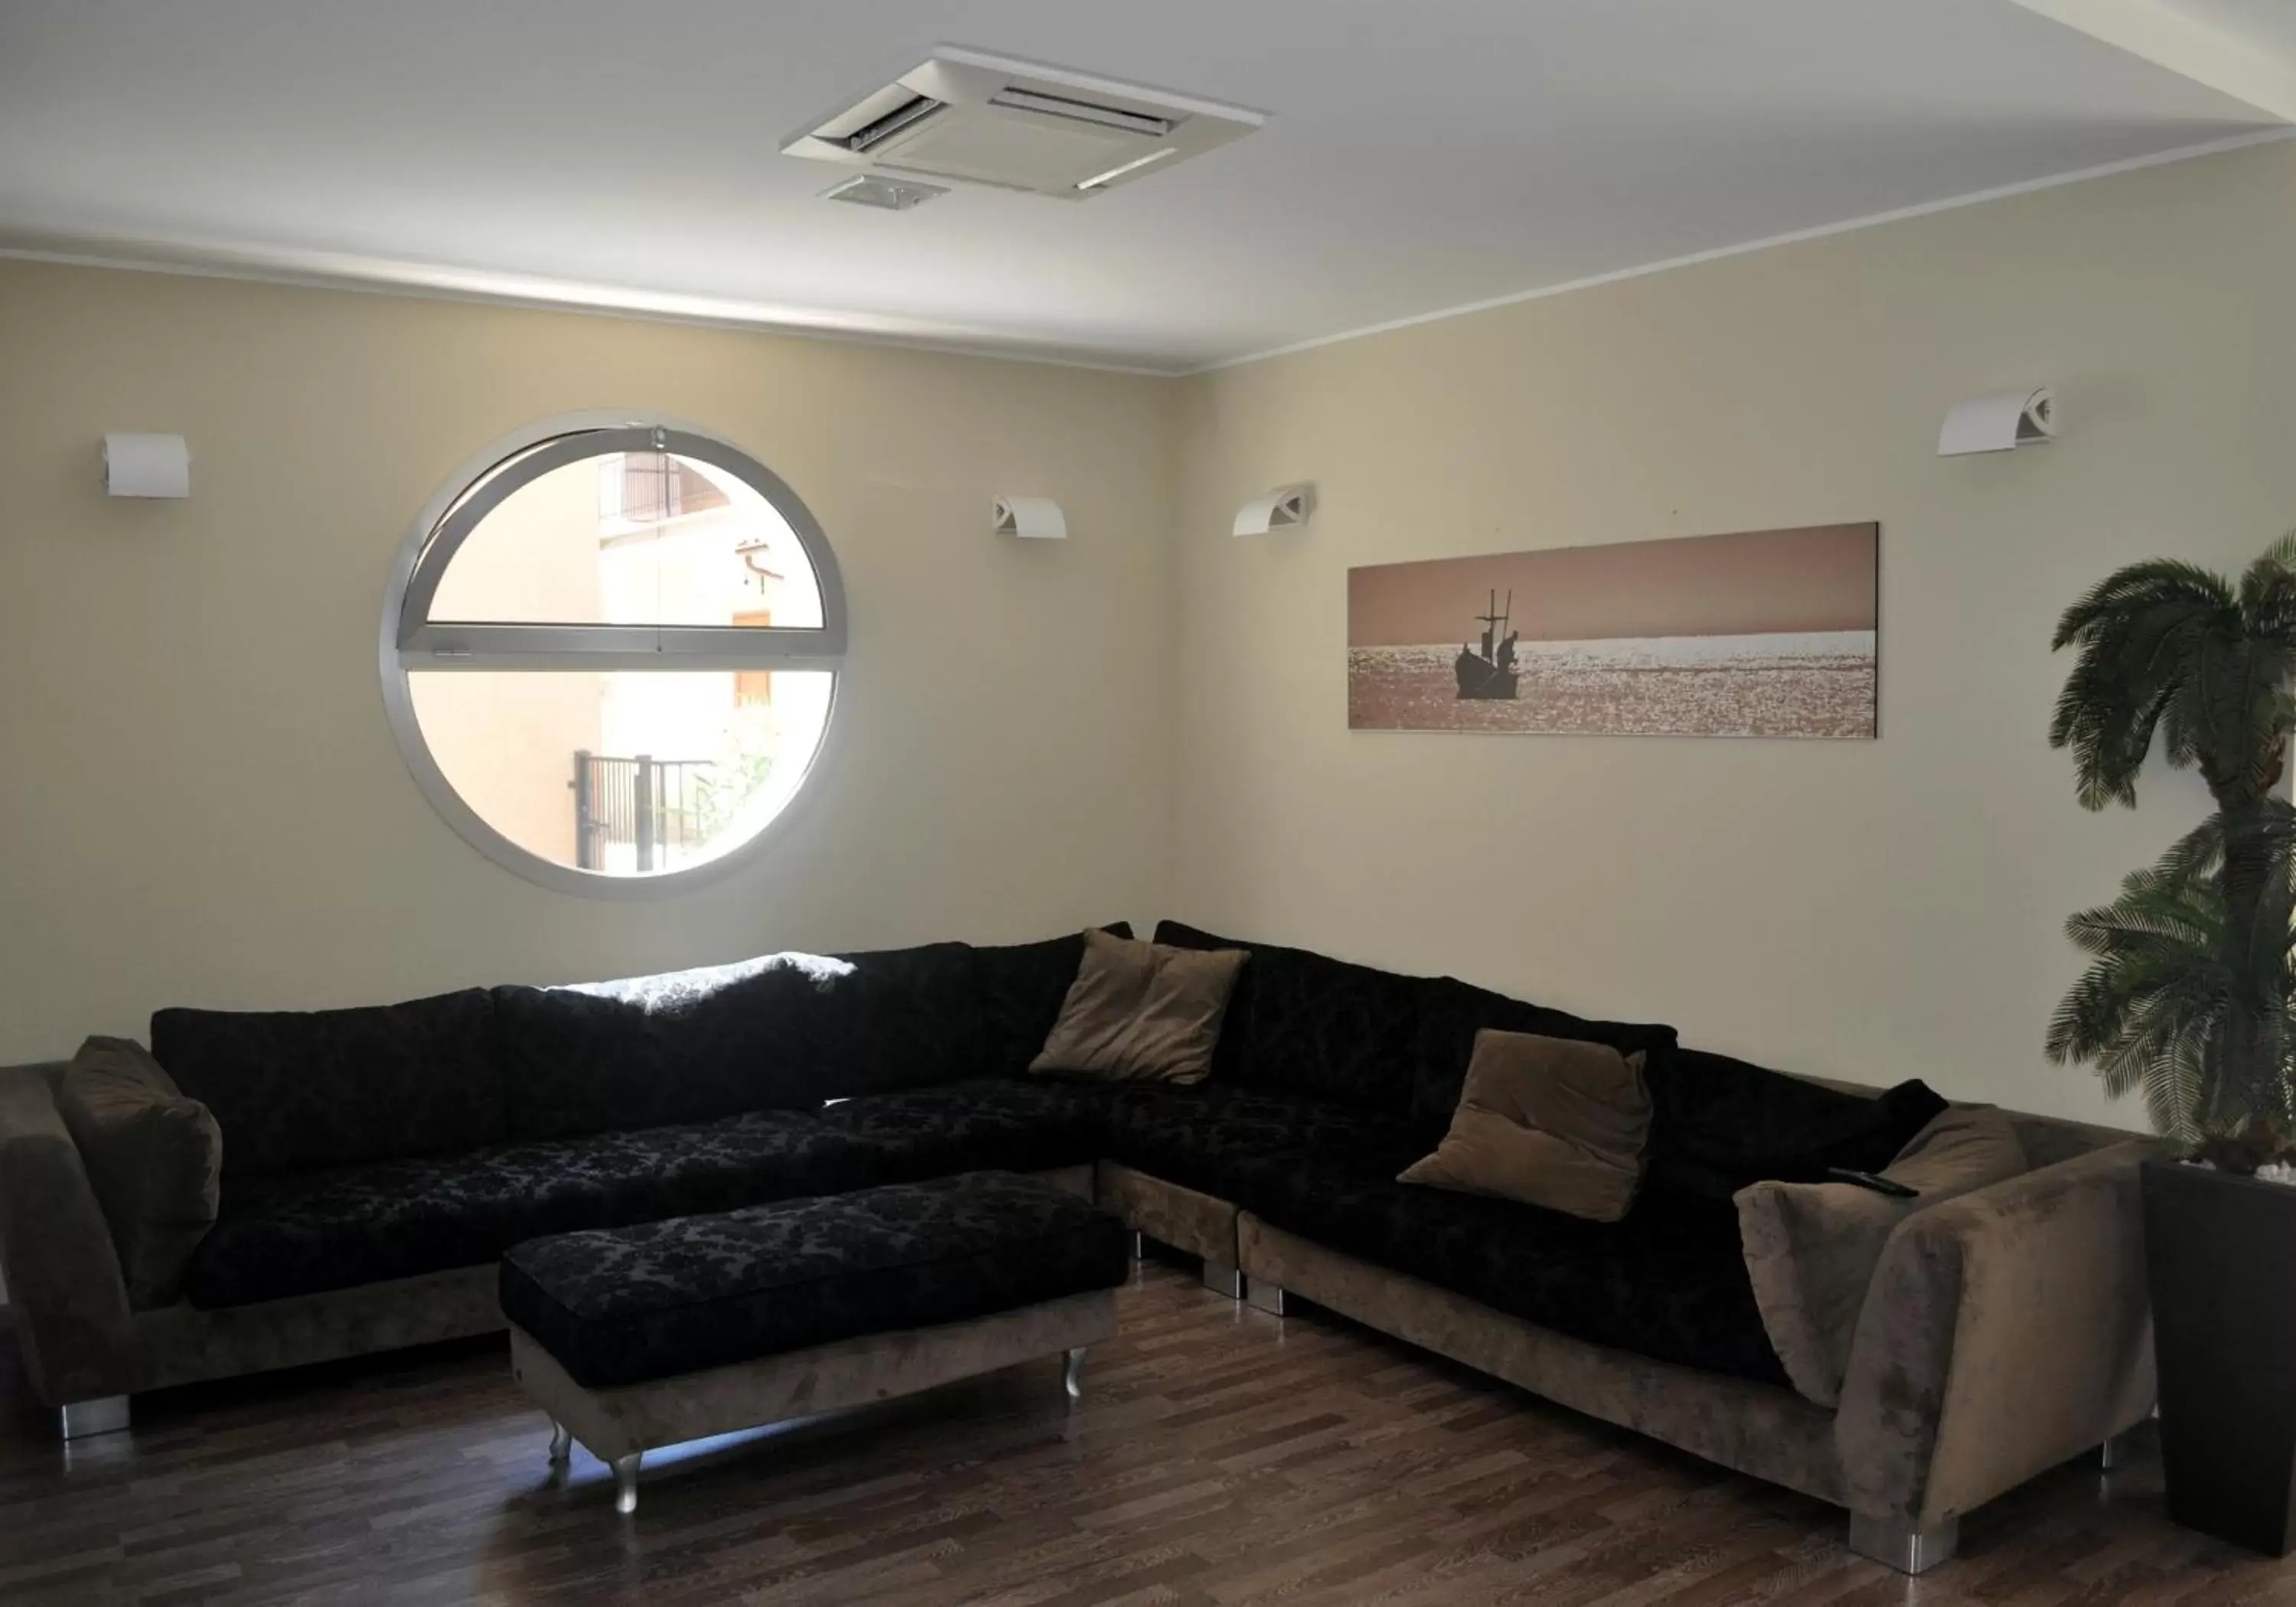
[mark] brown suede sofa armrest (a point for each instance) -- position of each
(2005, 1330)
(65, 1290)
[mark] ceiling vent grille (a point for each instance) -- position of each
(987, 120)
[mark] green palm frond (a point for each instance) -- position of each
(2188, 995)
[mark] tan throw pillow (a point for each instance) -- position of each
(1548, 1121)
(152, 1156)
(1811, 1247)
(1142, 1011)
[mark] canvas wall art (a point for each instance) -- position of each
(1764, 633)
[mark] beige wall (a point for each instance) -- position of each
(202, 801)
(1872, 910)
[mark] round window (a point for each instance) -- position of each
(611, 653)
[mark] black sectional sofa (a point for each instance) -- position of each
(379, 1162)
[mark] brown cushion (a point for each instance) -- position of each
(1142, 1011)
(1549, 1121)
(152, 1156)
(1811, 1247)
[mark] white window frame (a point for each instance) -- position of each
(412, 642)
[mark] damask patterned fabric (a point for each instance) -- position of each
(643, 1052)
(1303, 1024)
(994, 1123)
(1452, 1011)
(1019, 987)
(631, 1305)
(394, 1219)
(1220, 1141)
(1723, 1124)
(1667, 1282)
(292, 1090)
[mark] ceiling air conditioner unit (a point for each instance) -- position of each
(989, 121)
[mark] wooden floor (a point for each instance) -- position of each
(1220, 1455)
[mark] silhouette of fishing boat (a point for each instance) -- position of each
(1490, 676)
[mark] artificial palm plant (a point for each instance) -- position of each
(2189, 995)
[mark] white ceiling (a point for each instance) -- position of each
(1419, 157)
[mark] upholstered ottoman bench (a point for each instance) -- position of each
(636, 1338)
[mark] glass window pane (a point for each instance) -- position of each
(623, 772)
(632, 538)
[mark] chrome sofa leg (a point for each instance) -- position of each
(1139, 1247)
(1222, 1277)
(105, 1414)
(1264, 1295)
(2111, 1454)
(1901, 1546)
(625, 1481)
(1073, 1374)
(561, 1444)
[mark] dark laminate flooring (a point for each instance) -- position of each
(1220, 1455)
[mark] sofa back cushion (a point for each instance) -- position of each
(1724, 1123)
(1303, 1024)
(295, 1090)
(648, 1051)
(1451, 1012)
(894, 1018)
(1020, 989)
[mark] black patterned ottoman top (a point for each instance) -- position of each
(630, 1304)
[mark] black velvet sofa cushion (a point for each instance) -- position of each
(1668, 1281)
(635, 1304)
(1020, 989)
(1452, 1011)
(295, 1090)
(892, 1018)
(1303, 1024)
(1000, 1123)
(1720, 1124)
(395, 1219)
(1219, 1140)
(646, 1052)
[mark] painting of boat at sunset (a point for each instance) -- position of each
(1764, 633)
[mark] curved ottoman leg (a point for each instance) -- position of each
(625, 1481)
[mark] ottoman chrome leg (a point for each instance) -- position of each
(1266, 1296)
(561, 1443)
(625, 1481)
(2111, 1454)
(1221, 1277)
(1139, 1247)
(1072, 1375)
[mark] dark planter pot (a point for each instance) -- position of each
(2221, 1257)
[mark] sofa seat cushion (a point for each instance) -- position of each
(990, 1123)
(637, 1304)
(397, 1219)
(1223, 1141)
(1668, 1281)
(301, 1090)
(1305, 1024)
